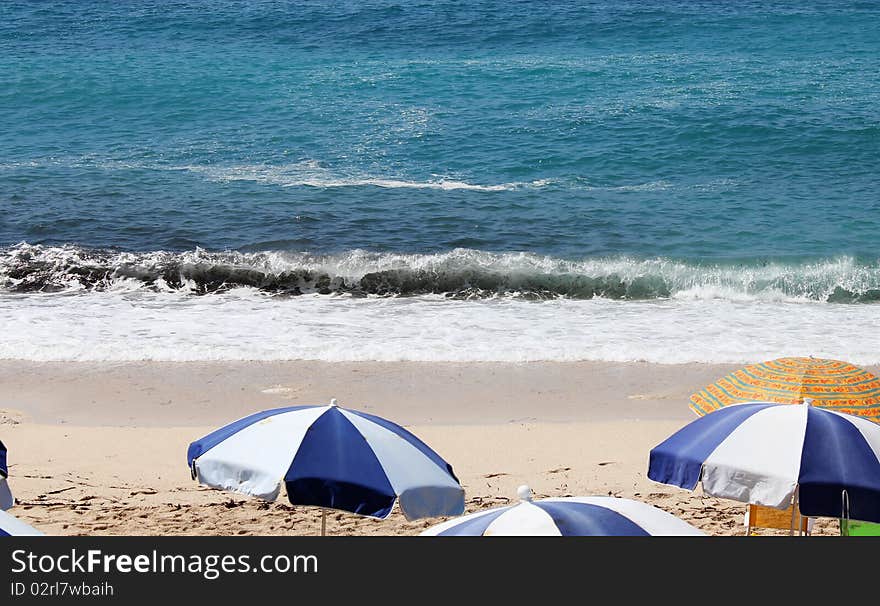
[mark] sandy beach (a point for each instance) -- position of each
(526, 232)
(99, 449)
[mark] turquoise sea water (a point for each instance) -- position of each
(626, 151)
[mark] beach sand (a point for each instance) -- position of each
(100, 449)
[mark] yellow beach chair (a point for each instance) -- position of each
(760, 516)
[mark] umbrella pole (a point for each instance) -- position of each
(795, 512)
(323, 522)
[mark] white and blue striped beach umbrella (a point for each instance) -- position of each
(6, 499)
(13, 527)
(762, 453)
(568, 516)
(328, 456)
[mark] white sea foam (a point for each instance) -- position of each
(307, 173)
(649, 186)
(248, 325)
(311, 173)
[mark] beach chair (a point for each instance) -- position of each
(760, 516)
(858, 528)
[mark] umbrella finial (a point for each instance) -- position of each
(524, 493)
(333, 402)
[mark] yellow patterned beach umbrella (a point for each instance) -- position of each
(828, 383)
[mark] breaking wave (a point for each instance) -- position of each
(459, 273)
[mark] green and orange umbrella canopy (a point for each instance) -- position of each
(831, 384)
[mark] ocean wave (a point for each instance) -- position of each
(311, 174)
(459, 273)
(307, 173)
(639, 187)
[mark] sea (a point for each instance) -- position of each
(614, 180)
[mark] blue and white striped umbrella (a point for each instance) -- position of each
(13, 527)
(6, 499)
(331, 457)
(569, 516)
(771, 454)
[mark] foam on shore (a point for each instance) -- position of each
(246, 324)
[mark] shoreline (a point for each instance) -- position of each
(150, 394)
